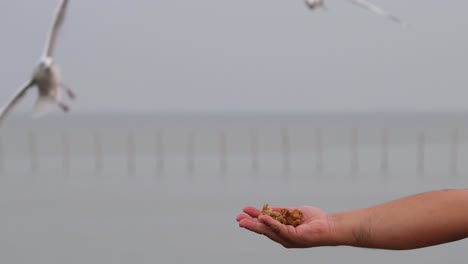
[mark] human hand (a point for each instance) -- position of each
(315, 229)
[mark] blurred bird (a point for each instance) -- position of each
(314, 4)
(46, 76)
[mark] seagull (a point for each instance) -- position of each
(314, 4)
(46, 76)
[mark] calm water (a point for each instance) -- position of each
(168, 189)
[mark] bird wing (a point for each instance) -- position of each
(55, 28)
(314, 4)
(379, 11)
(14, 100)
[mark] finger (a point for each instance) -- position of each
(280, 230)
(255, 226)
(271, 223)
(242, 216)
(252, 211)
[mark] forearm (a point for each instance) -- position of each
(413, 222)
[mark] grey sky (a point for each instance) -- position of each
(244, 55)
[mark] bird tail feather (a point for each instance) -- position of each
(43, 106)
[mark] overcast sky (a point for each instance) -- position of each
(243, 55)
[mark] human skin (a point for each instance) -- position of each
(416, 221)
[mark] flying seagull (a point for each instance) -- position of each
(46, 76)
(314, 4)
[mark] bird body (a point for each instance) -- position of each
(47, 79)
(46, 75)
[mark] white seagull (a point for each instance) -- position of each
(314, 4)
(46, 75)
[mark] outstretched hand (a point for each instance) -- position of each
(315, 229)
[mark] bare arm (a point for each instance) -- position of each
(416, 221)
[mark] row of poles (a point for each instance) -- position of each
(255, 152)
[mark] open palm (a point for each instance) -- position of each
(315, 229)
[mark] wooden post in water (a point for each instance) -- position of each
(286, 149)
(319, 151)
(2, 155)
(354, 151)
(131, 159)
(254, 151)
(33, 152)
(98, 162)
(223, 153)
(453, 161)
(384, 154)
(191, 152)
(65, 153)
(159, 152)
(421, 153)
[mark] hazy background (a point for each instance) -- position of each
(150, 185)
(244, 56)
